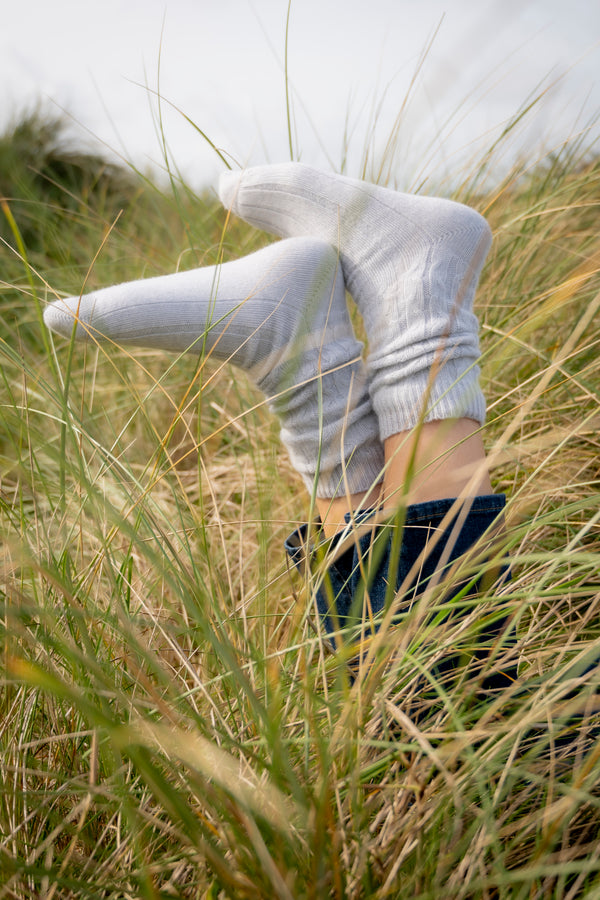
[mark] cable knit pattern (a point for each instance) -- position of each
(411, 263)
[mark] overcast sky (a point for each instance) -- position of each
(350, 62)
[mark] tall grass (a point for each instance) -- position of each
(173, 725)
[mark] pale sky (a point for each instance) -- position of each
(350, 62)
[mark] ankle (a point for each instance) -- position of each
(437, 460)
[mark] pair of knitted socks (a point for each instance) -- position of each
(411, 264)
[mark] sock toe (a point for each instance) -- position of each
(60, 317)
(229, 183)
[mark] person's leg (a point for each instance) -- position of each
(281, 315)
(412, 265)
(435, 461)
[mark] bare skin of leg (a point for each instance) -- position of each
(439, 460)
(332, 511)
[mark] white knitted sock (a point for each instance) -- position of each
(281, 315)
(412, 265)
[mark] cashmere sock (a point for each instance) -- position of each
(412, 265)
(280, 314)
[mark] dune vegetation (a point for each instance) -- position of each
(173, 722)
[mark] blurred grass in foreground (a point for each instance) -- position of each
(172, 726)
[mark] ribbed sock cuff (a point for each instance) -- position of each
(455, 393)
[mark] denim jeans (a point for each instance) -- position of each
(376, 563)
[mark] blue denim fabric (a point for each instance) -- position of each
(402, 554)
